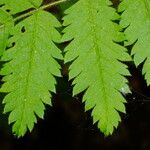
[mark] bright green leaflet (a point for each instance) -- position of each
(29, 74)
(94, 54)
(136, 19)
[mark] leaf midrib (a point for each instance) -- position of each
(98, 52)
(31, 61)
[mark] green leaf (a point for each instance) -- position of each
(16, 6)
(6, 23)
(66, 5)
(6, 19)
(30, 69)
(94, 54)
(136, 19)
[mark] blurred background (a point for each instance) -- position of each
(67, 127)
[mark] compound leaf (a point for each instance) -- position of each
(30, 69)
(136, 19)
(95, 53)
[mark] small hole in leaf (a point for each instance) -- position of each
(8, 10)
(13, 44)
(23, 29)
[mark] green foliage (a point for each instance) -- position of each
(30, 69)
(67, 4)
(16, 6)
(136, 20)
(94, 54)
(28, 37)
(12, 7)
(6, 23)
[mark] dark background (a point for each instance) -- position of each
(67, 127)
